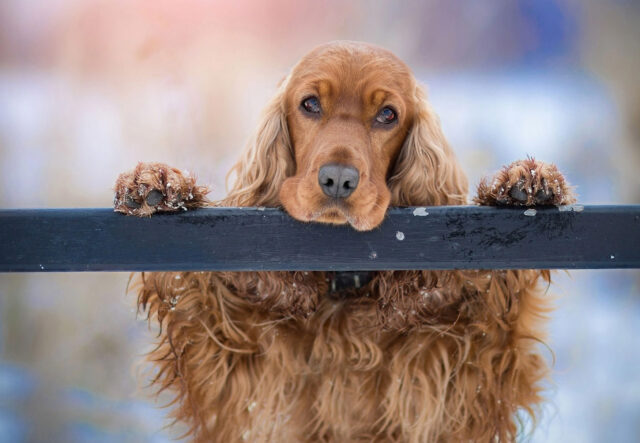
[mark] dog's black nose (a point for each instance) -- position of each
(338, 181)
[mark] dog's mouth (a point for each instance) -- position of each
(338, 212)
(334, 212)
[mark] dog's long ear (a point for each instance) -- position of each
(267, 160)
(427, 171)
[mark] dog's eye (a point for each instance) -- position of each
(311, 105)
(386, 115)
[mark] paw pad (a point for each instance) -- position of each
(154, 197)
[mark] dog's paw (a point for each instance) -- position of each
(526, 183)
(156, 187)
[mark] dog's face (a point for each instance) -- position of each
(348, 134)
(348, 115)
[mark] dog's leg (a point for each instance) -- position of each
(177, 301)
(526, 183)
(156, 187)
(511, 379)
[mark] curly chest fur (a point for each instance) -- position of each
(271, 357)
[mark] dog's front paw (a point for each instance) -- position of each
(526, 183)
(154, 187)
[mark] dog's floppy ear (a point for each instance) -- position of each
(427, 171)
(267, 160)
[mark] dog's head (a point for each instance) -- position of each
(348, 133)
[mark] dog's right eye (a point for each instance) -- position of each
(311, 105)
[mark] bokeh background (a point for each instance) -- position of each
(88, 88)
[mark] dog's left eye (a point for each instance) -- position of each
(311, 105)
(386, 115)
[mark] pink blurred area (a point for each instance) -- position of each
(90, 87)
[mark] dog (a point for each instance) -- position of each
(411, 356)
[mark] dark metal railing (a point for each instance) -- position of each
(451, 237)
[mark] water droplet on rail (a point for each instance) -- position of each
(420, 212)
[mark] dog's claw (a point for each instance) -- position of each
(518, 194)
(543, 197)
(131, 203)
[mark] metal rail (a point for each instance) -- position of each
(451, 237)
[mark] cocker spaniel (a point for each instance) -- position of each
(415, 356)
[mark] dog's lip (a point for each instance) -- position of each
(339, 214)
(333, 208)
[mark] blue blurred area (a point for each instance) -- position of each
(552, 27)
(17, 385)
(13, 428)
(91, 417)
(561, 116)
(90, 431)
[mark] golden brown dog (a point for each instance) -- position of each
(412, 355)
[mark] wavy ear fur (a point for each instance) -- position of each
(427, 171)
(267, 160)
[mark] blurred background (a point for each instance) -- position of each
(88, 88)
